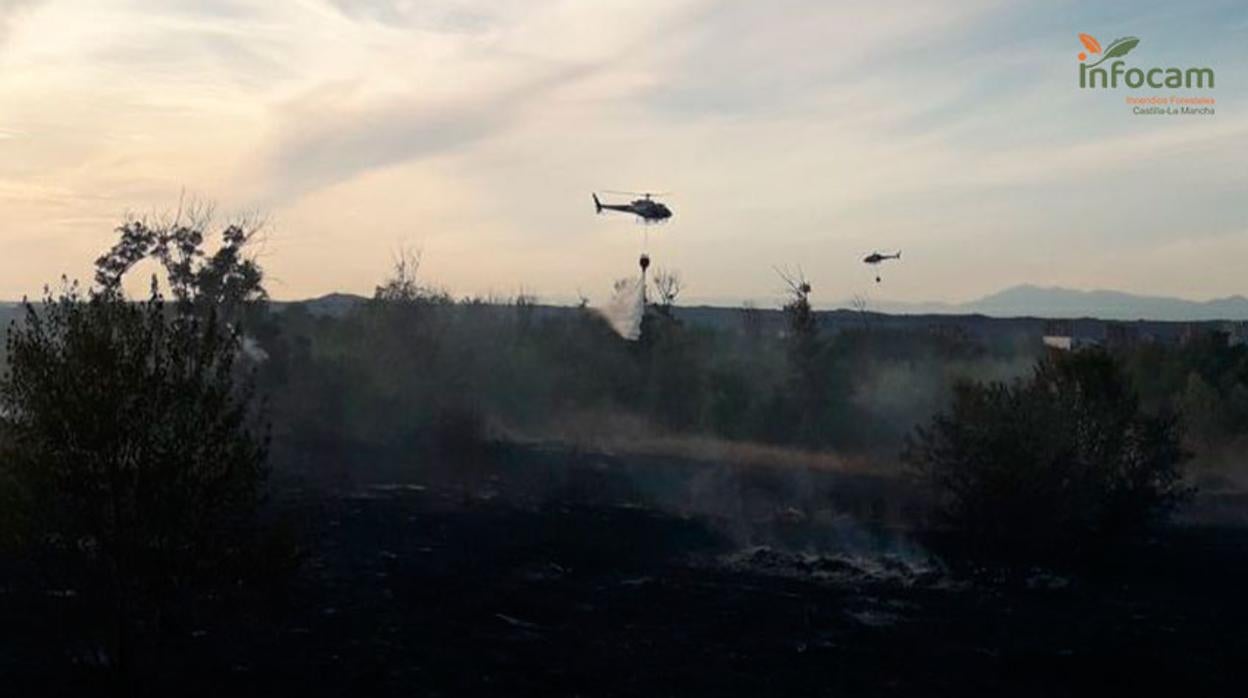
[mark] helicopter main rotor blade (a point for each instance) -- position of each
(636, 193)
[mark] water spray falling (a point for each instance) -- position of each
(627, 306)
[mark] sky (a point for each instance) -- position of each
(792, 134)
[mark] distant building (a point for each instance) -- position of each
(1060, 335)
(1068, 343)
(1063, 342)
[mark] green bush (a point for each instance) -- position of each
(132, 453)
(1059, 462)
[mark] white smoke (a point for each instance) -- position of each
(626, 308)
(253, 351)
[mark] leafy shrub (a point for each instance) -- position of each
(132, 453)
(1058, 462)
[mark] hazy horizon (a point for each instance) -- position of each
(792, 134)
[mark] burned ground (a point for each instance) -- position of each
(616, 576)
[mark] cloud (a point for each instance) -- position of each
(324, 137)
(10, 11)
(453, 16)
(744, 59)
(414, 105)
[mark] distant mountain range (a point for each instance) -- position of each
(1017, 301)
(1055, 302)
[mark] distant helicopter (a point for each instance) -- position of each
(875, 258)
(645, 208)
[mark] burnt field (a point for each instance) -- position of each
(438, 497)
(552, 573)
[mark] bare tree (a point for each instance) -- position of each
(807, 381)
(667, 285)
(404, 285)
(801, 317)
(860, 305)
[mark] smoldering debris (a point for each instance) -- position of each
(626, 307)
(840, 569)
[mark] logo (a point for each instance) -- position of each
(1093, 76)
(1119, 47)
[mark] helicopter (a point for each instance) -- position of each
(645, 208)
(875, 258)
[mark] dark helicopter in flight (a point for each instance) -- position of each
(645, 208)
(875, 258)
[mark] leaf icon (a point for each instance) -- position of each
(1118, 49)
(1090, 42)
(1121, 47)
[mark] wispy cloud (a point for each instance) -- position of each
(455, 16)
(326, 136)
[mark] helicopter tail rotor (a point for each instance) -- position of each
(597, 204)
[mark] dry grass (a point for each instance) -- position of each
(629, 435)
